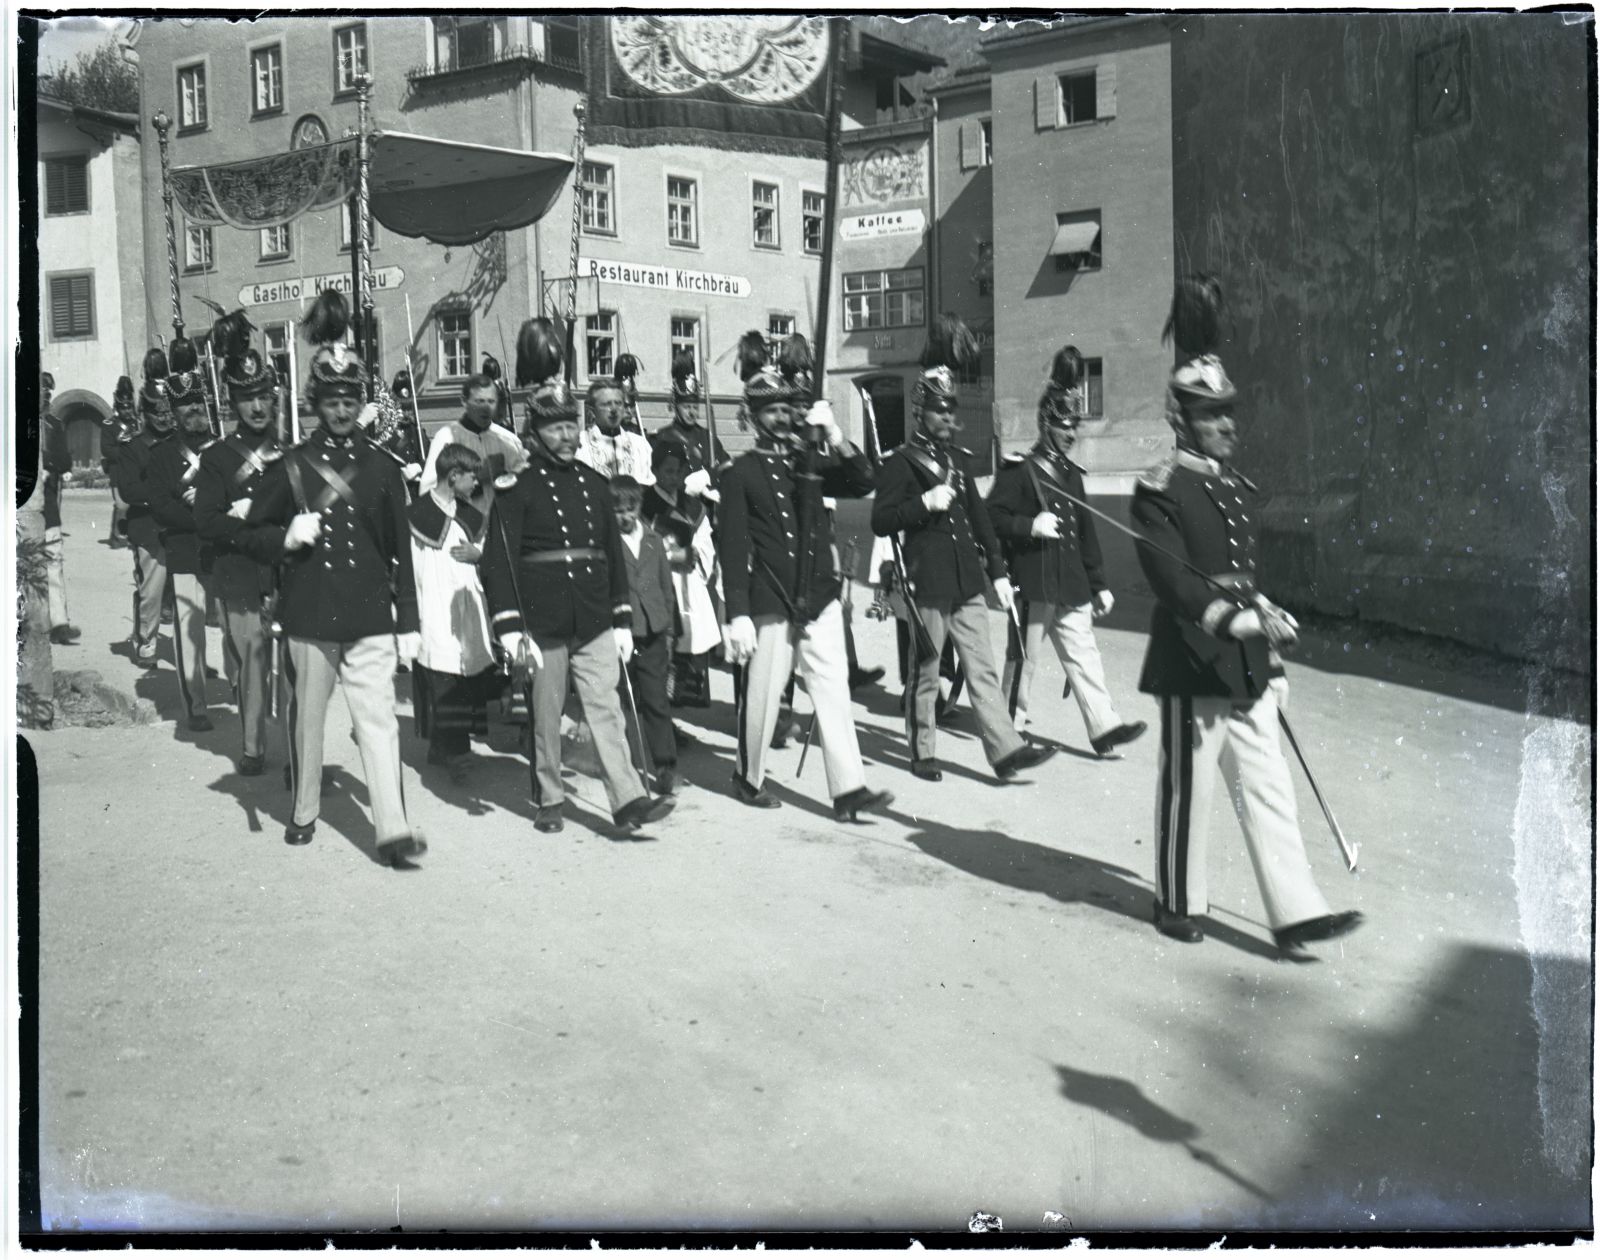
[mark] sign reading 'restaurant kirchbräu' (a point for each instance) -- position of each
(304, 288)
(654, 276)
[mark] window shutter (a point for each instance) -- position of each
(1046, 107)
(60, 308)
(77, 182)
(82, 299)
(1105, 90)
(55, 188)
(971, 143)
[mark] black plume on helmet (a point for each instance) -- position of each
(752, 354)
(492, 368)
(327, 319)
(1195, 322)
(950, 345)
(540, 352)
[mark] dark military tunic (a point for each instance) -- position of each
(703, 451)
(1064, 572)
(1209, 514)
(356, 581)
(556, 531)
(128, 470)
(174, 469)
(948, 554)
(230, 470)
(757, 534)
(56, 457)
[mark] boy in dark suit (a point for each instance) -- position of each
(655, 624)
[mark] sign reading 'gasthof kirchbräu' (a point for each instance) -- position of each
(304, 288)
(654, 276)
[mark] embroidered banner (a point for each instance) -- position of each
(732, 82)
(264, 192)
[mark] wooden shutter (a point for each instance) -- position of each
(1105, 90)
(71, 307)
(1046, 104)
(971, 145)
(66, 185)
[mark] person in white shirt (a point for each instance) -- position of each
(606, 446)
(501, 455)
(455, 666)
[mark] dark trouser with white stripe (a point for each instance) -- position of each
(1199, 733)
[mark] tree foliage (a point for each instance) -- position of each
(99, 80)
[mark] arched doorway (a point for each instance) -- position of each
(888, 395)
(83, 413)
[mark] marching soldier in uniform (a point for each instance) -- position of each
(606, 446)
(774, 531)
(1213, 660)
(1054, 557)
(127, 469)
(56, 460)
(926, 491)
(703, 453)
(120, 428)
(556, 582)
(171, 489)
(332, 514)
(231, 471)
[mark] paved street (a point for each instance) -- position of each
(772, 1020)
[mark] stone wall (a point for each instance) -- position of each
(1398, 208)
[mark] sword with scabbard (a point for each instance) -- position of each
(1280, 627)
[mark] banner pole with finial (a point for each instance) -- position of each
(163, 124)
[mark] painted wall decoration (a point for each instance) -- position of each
(885, 173)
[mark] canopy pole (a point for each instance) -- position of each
(363, 240)
(162, 125)
(577, 227)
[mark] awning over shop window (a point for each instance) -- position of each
(449, 191)
(1075, 238)
(457, 193)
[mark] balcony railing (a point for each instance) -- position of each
(517, 59)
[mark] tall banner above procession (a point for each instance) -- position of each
(722, 82)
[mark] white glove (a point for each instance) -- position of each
(1046, 525)
(1278, 689)
(623, 638)
(514, 641)
(820, 416)
(368, 417)
(411, 472)
(1246, 625)
(697, 483)
(1280, 628)
(739, 640)
(240, 509)
(67, 476)
(939, 498)
(303, 531)
(188, 496)
(408, 645)
(1004, 593)
(1104, 602)
(711, 496)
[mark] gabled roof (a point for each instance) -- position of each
(126, 123)
(895, 58)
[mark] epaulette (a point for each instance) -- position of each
(127, 436)
(1156, 478)
(1016, 457)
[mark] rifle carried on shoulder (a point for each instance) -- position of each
(921, 640)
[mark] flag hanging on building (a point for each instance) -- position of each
(732, 82)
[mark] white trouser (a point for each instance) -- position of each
(1199, 733)
(1072, 631)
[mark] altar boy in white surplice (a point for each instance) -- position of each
(456, 668)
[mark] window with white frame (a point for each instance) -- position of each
(597, 193)
(193, 114)
(685, 336)
(780, 328)
(455, 343)
(986, 142)
(349, 56)
(1072, 97)
(266, 80)
(277, 339)
(197, 249)
(72, 306)
(811, 210)
(275, 243)
(66, 185)
(1092, 389)
(764, 215)
(683, 210)
(883, 299)
(600, 342)
(343, 214)
(1077, 97)
(459, 43)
